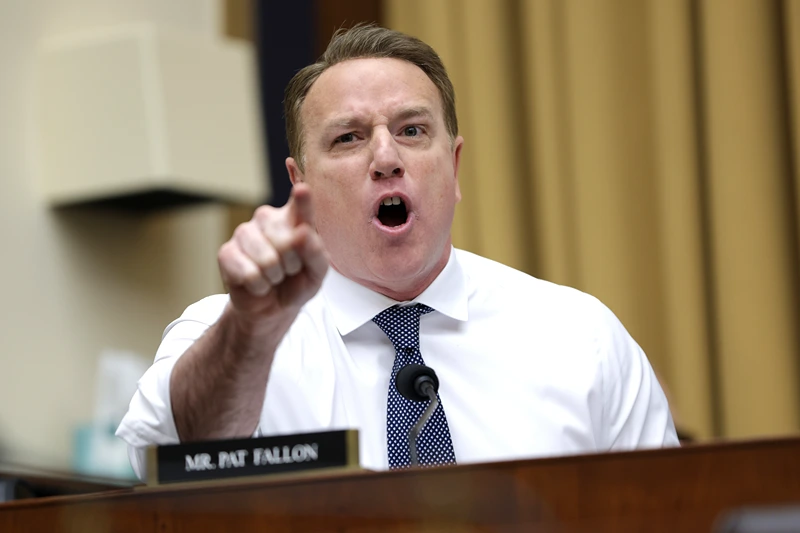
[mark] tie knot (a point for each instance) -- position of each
(401, 324)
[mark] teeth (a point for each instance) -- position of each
(394, 200)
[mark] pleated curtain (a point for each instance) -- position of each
(644, 151)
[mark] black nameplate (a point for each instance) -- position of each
(222, 459)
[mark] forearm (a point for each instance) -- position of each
(217, 387)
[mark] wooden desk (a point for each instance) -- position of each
(39, 483)
(673, 490)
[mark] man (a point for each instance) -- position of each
(356, 277)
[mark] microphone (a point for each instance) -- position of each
(418, 383)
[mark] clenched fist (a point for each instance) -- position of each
(274, 263)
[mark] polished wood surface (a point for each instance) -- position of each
(672, 490)
(43, 483)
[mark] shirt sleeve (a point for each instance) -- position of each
(635, 410)
(149, 418)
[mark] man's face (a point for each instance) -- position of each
(374, 134)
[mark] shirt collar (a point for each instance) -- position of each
(353, 305)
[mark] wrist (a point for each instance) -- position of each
(269, 328)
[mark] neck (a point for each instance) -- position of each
(405, 290)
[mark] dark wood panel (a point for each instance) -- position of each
(655, 491)
(35, 482)
(238, 19)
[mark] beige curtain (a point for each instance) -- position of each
(645, 151)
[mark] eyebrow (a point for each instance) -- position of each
(414, 112)
(406, 114)
(343, 122)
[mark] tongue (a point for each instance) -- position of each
(393, 215)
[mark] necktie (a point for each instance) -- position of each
(401, 325)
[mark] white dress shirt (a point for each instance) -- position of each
(527, 369)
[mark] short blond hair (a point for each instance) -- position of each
(360, 42)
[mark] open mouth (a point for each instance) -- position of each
(392, 212)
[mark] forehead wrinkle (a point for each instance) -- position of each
(344, 121)
(358, 119)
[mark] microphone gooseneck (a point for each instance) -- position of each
(418, 383)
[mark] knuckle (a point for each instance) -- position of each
(226, 252)
(271, 262)
(269, 256)
(263, 213)
(242, 231)
(251, 275)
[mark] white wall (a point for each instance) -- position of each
(75, 283)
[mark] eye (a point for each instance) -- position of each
(411, 131)
(344, 139)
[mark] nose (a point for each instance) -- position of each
(386, 161)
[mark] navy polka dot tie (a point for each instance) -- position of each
(401, 325)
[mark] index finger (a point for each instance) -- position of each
(300, 206)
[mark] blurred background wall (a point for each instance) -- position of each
(77, 282)
(640, 150)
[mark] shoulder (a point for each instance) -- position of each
(203, 312)
(494, 283)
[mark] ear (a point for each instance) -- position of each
(295, 174)
(458, 145)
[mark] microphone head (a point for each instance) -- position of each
(410, 378)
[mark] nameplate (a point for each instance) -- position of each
(223, 459)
